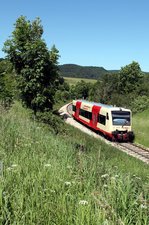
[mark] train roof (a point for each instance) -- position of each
(102, 105)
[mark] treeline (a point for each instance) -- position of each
(127, 88)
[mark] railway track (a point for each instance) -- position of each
(135, 150)
(132, 149)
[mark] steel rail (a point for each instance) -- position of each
(140, 151)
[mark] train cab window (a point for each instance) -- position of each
(121, 118)
(102, 119)
(74, 108)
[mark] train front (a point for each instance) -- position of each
(121, 125)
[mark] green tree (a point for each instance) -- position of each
(95, 92)
(130, 78)
(81, 89)
(35, 66)
(104, 88)
(140, 104)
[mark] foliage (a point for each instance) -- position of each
(54, 122)
(143, 89)
(35, 66)
(81, 90)
(104, 89)
(7, 83)
(130, 78)
(63, 92)
(140, 104)
(127, 88)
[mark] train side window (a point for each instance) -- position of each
(74, 108)
(102, 119)
(86, 114)
(107, 116)
(89, 115)
(81, 112)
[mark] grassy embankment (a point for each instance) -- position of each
(74, 81)
(141, 128)
(67, 179)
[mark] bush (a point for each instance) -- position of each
(56, 123)
(140, 104)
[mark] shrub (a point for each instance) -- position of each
(56, 124)
(140, 104)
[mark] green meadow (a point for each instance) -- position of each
(66, 179)
(141, 128)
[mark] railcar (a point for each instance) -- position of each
(115, 123)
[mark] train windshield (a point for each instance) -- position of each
(121, 118)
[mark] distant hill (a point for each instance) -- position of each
(90, 72)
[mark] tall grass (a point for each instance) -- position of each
(66, 179)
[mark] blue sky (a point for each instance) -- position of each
(108, 33)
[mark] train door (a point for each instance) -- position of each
(95, 113)
(78, 105)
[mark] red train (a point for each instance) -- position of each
(115, 123)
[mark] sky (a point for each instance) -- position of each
(107, 33)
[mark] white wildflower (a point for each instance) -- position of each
(45, 189)
(113, 178)
(105, 185)
(14, 165)
(69, 167)
(143, 206)
(27, 144)
(105, 222)
(9, 168)
(115, 167)
(47, 165)
(52, 191)
(67, 183)
(83, 202)
(105, 175)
